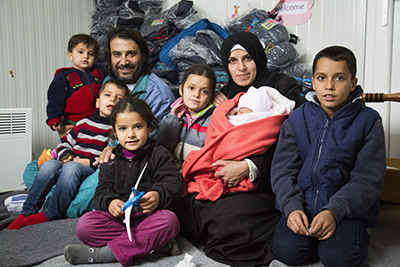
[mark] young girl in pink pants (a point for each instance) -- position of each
(152, 225)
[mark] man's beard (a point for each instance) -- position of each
(132, 78)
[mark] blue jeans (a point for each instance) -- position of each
(67, 178)
(347, 247)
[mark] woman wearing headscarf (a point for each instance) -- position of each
(237, 228)
(245, 61)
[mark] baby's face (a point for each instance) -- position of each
(244, 110)
(82, 56)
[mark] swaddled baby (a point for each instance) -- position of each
(259, 103)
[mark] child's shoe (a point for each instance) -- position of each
(14, 203)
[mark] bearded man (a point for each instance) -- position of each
(127, 56)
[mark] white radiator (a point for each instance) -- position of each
(15, 146)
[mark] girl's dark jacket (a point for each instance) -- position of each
(117, 177)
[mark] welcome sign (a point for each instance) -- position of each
(293, 12)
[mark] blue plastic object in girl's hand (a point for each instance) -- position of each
(133, 201)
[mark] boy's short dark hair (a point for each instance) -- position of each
(120, 85)
(85, 39)
(338, 53)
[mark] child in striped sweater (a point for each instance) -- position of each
(75, 156)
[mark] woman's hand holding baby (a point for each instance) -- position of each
(233, 172)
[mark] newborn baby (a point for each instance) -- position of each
(259, 103)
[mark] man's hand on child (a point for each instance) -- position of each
(115, 208)
(149, 201)
(297, 221)
(105, 156)
(323, 225)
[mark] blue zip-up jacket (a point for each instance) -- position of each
(337, 164)
(155, 92)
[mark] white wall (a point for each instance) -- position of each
(393, 122)
(33, 44)
(34, 36)
(382, 66)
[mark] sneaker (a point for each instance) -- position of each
(14, 203)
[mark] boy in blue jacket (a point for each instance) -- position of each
(328, 169)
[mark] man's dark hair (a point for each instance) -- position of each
(127, 34)
(338, 53)
(85, 39)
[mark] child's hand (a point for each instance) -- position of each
(323, 225)
(115, 208)
(64, 130)
(56, 127)
(179, 109)
(67, 158)
(219, 98)
(149, 201)
(83, 161)
(297, 221)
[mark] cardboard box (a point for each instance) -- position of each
(391, 189)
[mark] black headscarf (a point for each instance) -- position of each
(288, 87)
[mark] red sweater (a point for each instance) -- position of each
(72, 94)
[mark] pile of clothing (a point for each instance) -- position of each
(180, 36)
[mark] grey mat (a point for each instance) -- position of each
(5, 217)
(33, 244)
(43, 245)
(199, 259)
